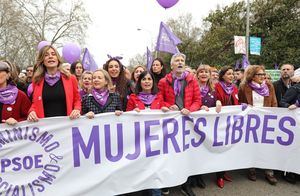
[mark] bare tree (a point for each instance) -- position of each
(137, 60)
(26, 22)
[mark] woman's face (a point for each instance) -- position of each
(50, 59)
(156, 67)
(259, 76)
(87, 81)
(4, 76)
(78, 69)
(99, 81)
(228, 76)
(137, 73)
(268, 78)
(114, 69)
(203, 76)
(147, 83)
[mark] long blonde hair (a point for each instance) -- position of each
(40, 69)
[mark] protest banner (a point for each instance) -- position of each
(110, 154)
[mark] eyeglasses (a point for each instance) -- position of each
(261, 74)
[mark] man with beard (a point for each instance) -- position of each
(284, 82)
(281, 86)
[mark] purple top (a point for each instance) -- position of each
(209, 99)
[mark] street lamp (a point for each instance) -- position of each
(150, 36)
(247, 29)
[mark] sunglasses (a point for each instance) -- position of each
(4, 66)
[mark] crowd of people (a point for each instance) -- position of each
(53, 88)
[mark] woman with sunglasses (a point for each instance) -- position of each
(14, 104)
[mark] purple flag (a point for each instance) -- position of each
(245, 62)
(237, 64)
(88, 61)
(167, 41)
(149, 59)
(276, 66)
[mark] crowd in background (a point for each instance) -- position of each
(54, 88)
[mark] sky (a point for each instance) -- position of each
(115, 24)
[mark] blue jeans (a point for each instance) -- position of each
(156, 192)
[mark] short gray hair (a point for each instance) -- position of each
(177, 55)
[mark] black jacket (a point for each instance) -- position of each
(280, 90)
(291, 96)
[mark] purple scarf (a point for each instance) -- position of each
(262, 89)
(29, 90)
(177, 82)
(51, 80)
(228, 88)
(8, 94)
(100, 95)
(146, 98)
(204, 90)
(82, 92)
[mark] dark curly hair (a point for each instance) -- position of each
(121, 81)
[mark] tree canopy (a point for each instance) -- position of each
(24, 23)
(276, 22)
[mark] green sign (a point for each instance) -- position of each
(274, 73)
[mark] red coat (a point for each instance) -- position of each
(224, 98)
(18, 110)
(72, 96)
(192, 98)
(135, 102)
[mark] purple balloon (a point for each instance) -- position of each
(71, 52)
(167, 3)
(42, 44)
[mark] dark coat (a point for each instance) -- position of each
(291, 96)
(280, 89)
(112, 104)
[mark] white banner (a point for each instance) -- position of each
(239, 45)
(110, 155)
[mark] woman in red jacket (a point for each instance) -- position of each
(55, 90)
(226, 91)
(227, 94)
(14, 104)
(146, 95)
